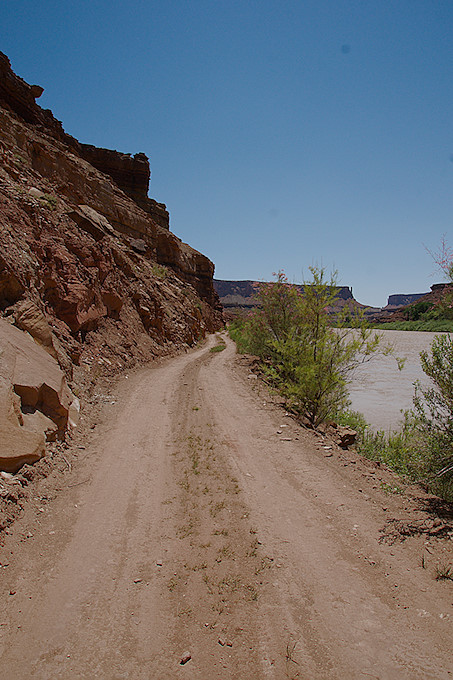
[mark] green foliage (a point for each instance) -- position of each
(49, 201)
(236, 331)
(418, 310)
(423, 448)
(402, 451)
(159, 271)
(303, 355)
(433, 407)
(220, 345)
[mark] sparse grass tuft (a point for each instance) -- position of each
(49, 201)
(159, 271)
(218, 348)
(389, 489)
(444, 572)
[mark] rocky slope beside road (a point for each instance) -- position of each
(89, 269)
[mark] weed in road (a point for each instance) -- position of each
(252, 592)
(185, 530)
(265, 563)
(184, 483)
(218, 348)
(444, 572)
(290, 661)
(172, 584)
(214, 510)
(251, 552)
(184, 612)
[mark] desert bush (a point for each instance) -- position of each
(308, 359)
(433, 407)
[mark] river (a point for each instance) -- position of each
(379, 390)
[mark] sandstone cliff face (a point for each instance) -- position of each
(403, 299)
(88, 264)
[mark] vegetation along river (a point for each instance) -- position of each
(379, 390)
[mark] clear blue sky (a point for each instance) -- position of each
(280, 134)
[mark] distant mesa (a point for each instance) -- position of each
(239, 297)
(403, 299)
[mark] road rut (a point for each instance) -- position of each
(206, 523)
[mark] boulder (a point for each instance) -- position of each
(18, 445)
(92, 222)
(36, 91)
(28, 372)
(345, 436)
(39, 423)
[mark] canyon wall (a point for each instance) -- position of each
(88, 265)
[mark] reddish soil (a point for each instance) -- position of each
(199, 523)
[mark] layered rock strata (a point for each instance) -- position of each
(88, 266)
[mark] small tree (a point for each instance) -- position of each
(434, 407)
(443, 258)
(276, 315)
(308, 358)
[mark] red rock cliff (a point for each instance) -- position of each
(81, 240)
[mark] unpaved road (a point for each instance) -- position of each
(204, 520)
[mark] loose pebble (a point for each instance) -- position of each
(185, 658)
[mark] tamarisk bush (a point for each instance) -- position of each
(433, 407)
(309, 359)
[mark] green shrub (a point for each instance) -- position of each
(303, 355)
(49, 201)
(433, 407)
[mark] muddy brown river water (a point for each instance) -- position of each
(379, 390)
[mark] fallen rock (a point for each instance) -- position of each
(92, 222)
(36, 193)
(35, 400)
(345, 436)
(38, 422)
(139, 245)
(185, 658)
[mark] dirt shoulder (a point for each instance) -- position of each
(201, 521)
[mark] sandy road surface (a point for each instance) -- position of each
(203, 520)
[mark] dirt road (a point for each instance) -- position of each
(203, 522)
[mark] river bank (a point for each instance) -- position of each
(379, 390)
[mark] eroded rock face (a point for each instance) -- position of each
(113, 184)
(131, 174)
(88, 269)
(28, 317)
(35, 400)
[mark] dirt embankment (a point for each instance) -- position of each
(198, 523)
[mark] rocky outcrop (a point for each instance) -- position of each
(117, 190)
(131, 174)
(403, 299)
(433, 298)
(241, 294)
(36, 403)
(19, 97)
(90, 273)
